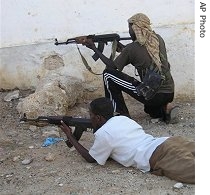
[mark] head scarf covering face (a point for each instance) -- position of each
(146, 36)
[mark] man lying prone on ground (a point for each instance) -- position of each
(123, 140)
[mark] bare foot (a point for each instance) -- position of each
(171, 113)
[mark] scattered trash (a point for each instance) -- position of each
(27, 161)
(155, 120)
(51, 140)
(31, 147)
(178, 185)
(12, 95)
(9, 175)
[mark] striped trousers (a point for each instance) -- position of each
(116, 82)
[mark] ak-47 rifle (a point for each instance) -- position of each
(80, 124)
(100, 39)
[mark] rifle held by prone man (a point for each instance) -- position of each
(80, 124)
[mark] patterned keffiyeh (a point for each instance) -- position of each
(146, 36)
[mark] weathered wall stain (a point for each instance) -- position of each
(53, 62)
(28, 53)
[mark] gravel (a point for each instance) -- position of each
(67, 172)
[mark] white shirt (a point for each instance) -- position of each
(124, 140)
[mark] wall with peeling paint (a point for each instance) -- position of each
(28, 30)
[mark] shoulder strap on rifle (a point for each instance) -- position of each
(86, 63)
(114, 48)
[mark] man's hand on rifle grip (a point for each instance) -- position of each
(66, 129)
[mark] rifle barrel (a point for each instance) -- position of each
(65, 42)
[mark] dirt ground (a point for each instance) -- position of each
(66, 172)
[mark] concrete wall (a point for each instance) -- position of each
(29, 27)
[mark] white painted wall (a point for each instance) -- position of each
(28, 29)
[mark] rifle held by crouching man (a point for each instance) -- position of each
(100, 39)
(80, 124)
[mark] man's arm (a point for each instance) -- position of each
(108, 62)
(120, 47)
(83, 151)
